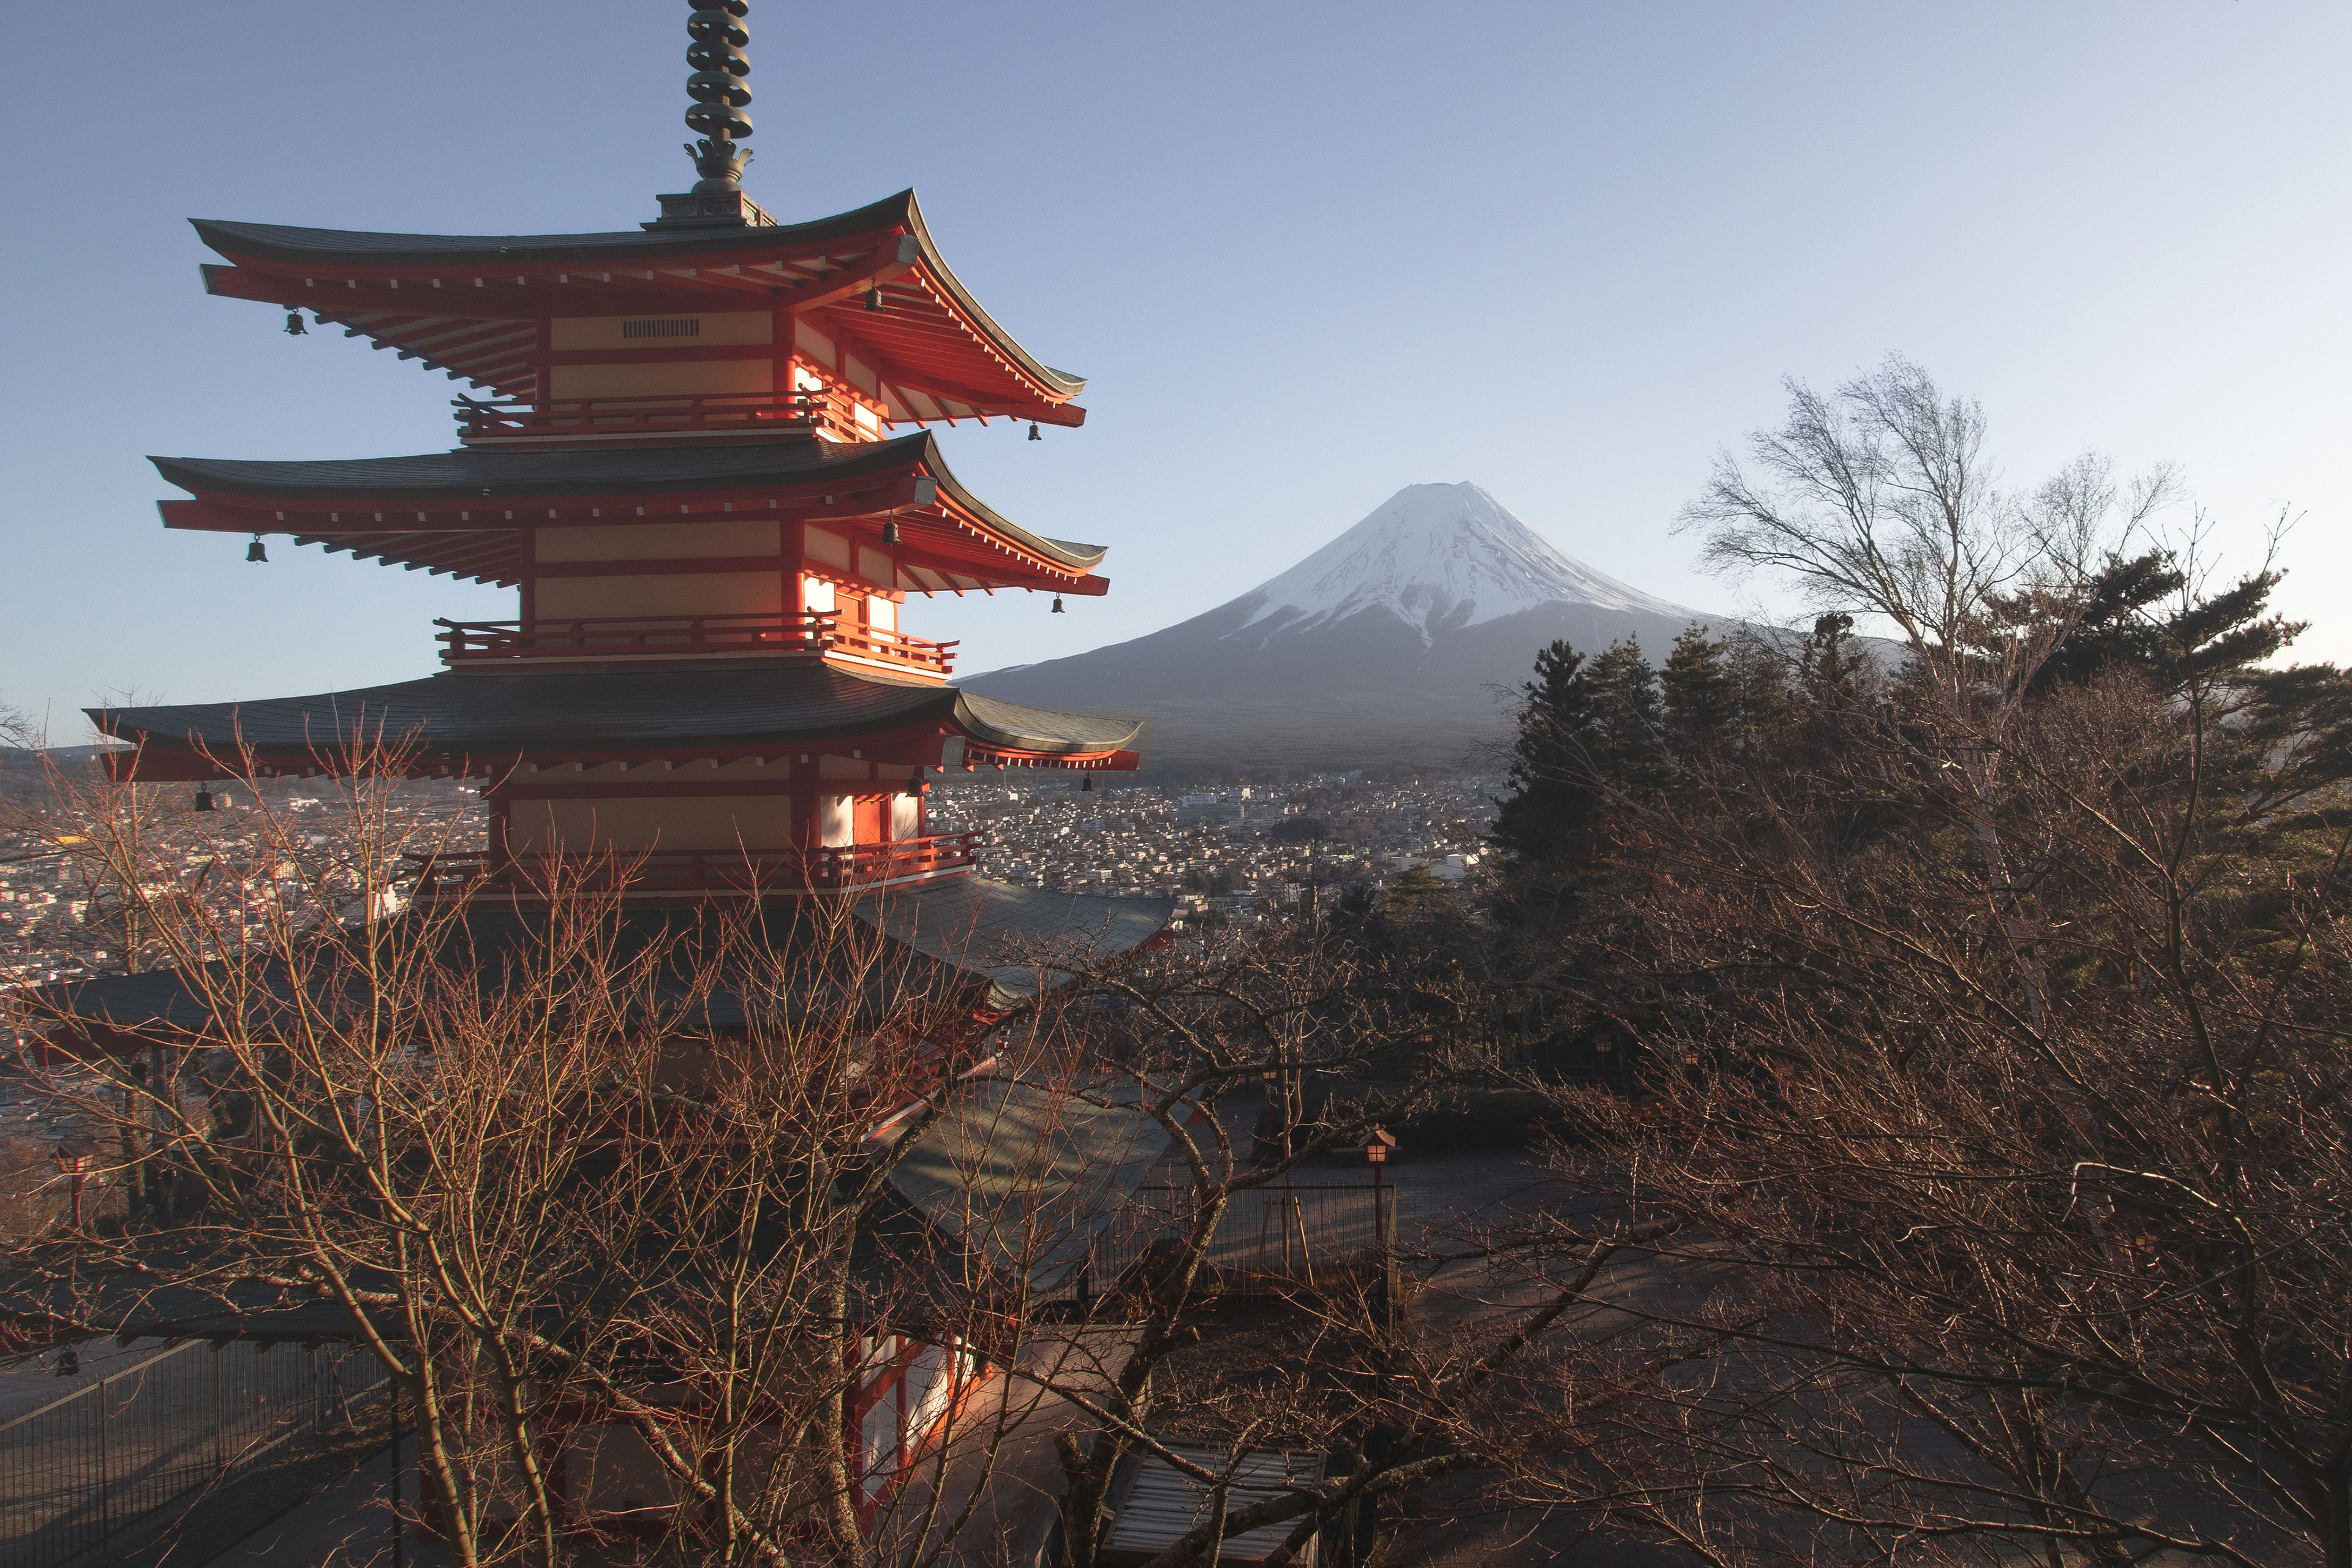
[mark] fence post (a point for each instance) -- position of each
(1391, 1307)
(1339, 1543)
(393, 1382)
(105, 1480)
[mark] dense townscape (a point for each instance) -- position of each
(1235, 849)
(238, 857)
(1223, 851)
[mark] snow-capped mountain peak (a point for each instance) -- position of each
(1438, 557)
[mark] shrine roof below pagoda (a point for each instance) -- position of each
(473, 473)
(486, 717)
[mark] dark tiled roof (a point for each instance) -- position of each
(458, 475)
(287, 245)
(281, 242)
(1013, 934)
(986, 716)
(160, 996)
(467, 475)
(172, 1294)
(487, 716)
(1025, 1176)
(963, 926)
(484, 942)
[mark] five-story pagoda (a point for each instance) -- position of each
(686, 467)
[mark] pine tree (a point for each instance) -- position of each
(1630, 746)
(1702, 694)
(2116, 624)
(1586, 731)
(1549, 816)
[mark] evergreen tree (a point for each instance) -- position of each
(1586, 731)
(1702, 694)
(2294, 725)
(2116, 624)
(1630, 744)
(1416, 893)
(1830, 669)
(1551, 808)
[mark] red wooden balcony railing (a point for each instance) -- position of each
(697, 872)
(594, 637)
(824, 411)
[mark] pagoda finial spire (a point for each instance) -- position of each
(720, 97)
(718, 91)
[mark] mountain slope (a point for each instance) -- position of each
(1378, 650)
(1437, 557)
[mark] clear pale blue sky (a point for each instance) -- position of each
(1307, 252)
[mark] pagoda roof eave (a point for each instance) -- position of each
(365, 248)
(480, 723)
(474, 475)
(273, 247)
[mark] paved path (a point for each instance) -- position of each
(1447, 1201)
(344, 1526)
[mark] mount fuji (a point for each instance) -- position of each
(1381, 649)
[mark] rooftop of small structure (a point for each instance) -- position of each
(484, 716)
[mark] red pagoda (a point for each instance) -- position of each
(705, 463)
(703, 459)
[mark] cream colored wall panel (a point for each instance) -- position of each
(661, 541)
(721, 824)
(662, 594)
(685, 378)
(716, 329)
(813, 343)
(822, 545)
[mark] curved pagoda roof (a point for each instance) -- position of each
(477, 723)
(469, 304)
(462, 511)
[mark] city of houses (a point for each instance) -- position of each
(1219, 850)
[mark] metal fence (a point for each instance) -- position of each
(106, 1466)
(1269, 1240)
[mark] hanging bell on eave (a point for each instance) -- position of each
(874, 298)
(1033, 431)
(1087, 783)
(1057, 603)
(890, 531)
(204, 801)
(294, 327)
(255, 552)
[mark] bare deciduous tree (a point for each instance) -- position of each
(1879, 500)
(2056, 1269)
